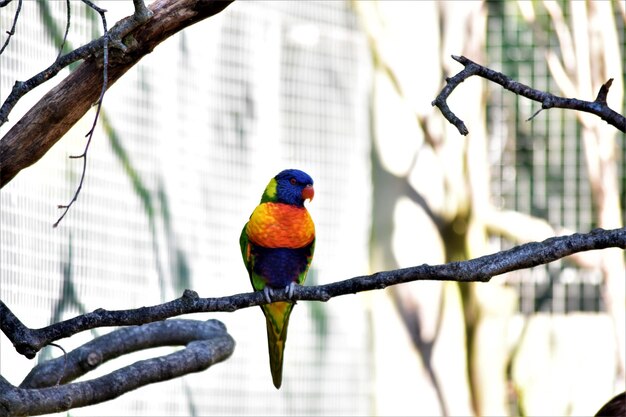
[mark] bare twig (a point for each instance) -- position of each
(67, 27)
(105, 66)
(62, 373)
(29, 341)
(547, 100)
(12, 31)
(604, 91)
(520, 228)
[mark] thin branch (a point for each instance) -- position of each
(604, 91)
(520, 228)
(105, 66)
(12, 31)
(29, 341)
(547, 100)
(60, 375)
(67, 27)
(207, 343)
(141, 14)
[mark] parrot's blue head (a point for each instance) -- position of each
(290, 186)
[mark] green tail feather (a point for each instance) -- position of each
(277, 318)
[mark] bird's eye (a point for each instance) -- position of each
(293, 181)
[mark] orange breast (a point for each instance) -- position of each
(277, 225)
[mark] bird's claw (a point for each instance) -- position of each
(268, 293)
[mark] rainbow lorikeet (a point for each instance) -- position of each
(277, 245)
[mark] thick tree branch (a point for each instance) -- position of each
(547, 100)
(175, 332)
(29, 341)
(46, 122)
(206, 343)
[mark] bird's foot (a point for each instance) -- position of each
(267, 292)
(289, 289)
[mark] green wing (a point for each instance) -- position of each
(257, 282)
(244, 244)
(309, 259)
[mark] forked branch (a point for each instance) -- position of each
(206, 343)
(598, 107)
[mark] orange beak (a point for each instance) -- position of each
(308, 192)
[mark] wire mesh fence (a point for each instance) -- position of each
(187, 141)
(539, 167)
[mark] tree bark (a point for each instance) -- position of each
(48, 388)
(57, 111)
